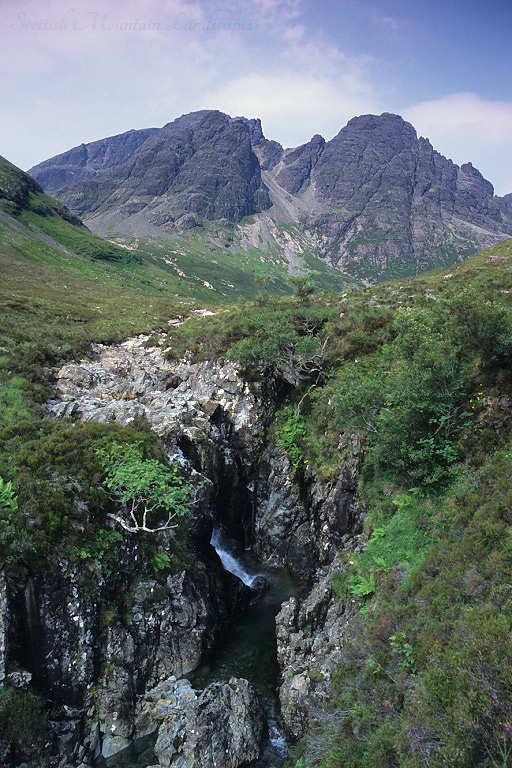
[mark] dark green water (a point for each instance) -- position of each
(248, 647)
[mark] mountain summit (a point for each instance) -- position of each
(375, 201)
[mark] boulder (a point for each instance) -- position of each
(221, 728)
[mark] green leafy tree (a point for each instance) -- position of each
(423, 401)
(291, 342)
(484, 326)
(150, 494)
(408, 398)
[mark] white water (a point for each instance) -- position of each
(228, 560)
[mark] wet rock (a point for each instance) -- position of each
(159, 702)
(303, 526)
(20, 680)
(175, 625)
(55, 631)
(115, 709)
(221, 727)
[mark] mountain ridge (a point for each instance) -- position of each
(375, 201)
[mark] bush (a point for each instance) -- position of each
(23, 719)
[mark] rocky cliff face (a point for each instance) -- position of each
(376, 201)
(310, 640)
(381, 196)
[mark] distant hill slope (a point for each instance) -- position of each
(25, 207)
(375, 202)
(34, 227)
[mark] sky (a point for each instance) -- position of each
(74, 71)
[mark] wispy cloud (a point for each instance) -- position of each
(463, 125)
(293, 107)
(389, 23)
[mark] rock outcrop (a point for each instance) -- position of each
(112, 648)
(130, 381)
(303, 527)
(310, 640)
(168, 631)
(199, 169)
(4, 623)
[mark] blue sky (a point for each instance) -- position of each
(81, 70)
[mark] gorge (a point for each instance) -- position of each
(211, 424)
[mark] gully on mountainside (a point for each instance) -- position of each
(211, 424)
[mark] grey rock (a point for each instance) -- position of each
(203, 168)
(374, 201)
(304, 528)
(310, 640)
(20, 679)
(4, 625)
(222, 727)
(58, 625)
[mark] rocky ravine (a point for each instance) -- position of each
(210, 422)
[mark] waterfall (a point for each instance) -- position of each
(229, 561)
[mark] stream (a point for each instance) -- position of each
(248, 649)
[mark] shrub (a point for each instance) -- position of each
(23, 719)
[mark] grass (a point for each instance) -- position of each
(425, 676)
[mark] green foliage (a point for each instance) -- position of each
(400, 646)
(43, 212)
(57, 476)
(484, 326)
(408, 398)
(94, 551)
(150, 494)
(282, 338)
(339, 584)
(291, 429)
(424, 677)
(23, 719)
(161, 561)
(8, 499)
(355, 396)
(304, 287)
(289, 342)
(362, 586)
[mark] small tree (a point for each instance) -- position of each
(151, 495)
(304, 287)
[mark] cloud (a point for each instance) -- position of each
(293, 107)
(466, 127)
(74, 72)
(389, 23)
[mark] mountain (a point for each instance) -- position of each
(199, 168)
(374, 202)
